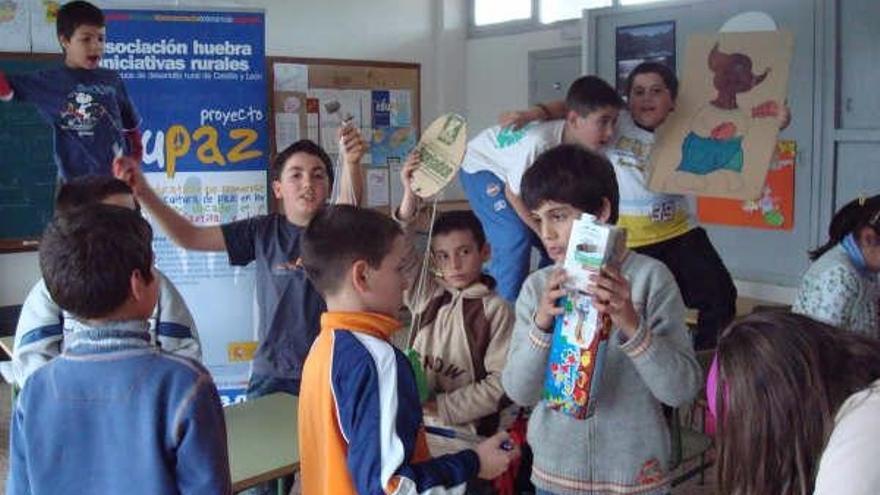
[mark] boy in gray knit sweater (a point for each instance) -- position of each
(624, 447)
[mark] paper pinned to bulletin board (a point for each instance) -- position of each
(774, 210)
(15, 34)
(312, 97)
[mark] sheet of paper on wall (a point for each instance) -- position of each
(401, 108)
(722, 135)
(44, 37)
(391, 144)
(286, 130)
(290, 117)
(774, 210)
(15, 30)
(336, 105)
(391, 108)
(377, 187)
(291, 77)
(313, 119)
(394, 168)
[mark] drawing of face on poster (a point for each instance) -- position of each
(721, 138)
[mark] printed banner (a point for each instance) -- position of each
(198, 82)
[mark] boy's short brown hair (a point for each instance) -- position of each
(573, 175)
(588, 94)
(87, 257)
(74, 14)
(302, 146)
(339, 235)
(460, 220)
(86, 190)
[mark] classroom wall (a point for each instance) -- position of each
(429, 32)
(497, 72)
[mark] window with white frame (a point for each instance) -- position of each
(551, 11)
(487, 12)
(521, 15)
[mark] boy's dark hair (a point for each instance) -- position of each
(74, 14)
(87, 190)
(661, 70)
(302, 146)
(858, 213)
(590, 93)
(338, 236)
(573, 175)
(451, 221)
(87, 257)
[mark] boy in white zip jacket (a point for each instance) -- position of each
(39, 335)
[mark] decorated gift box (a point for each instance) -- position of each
(581, 333)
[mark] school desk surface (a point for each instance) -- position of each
(262, 438)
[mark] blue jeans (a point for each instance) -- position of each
(511, 239)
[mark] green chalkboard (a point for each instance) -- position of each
(27, 168)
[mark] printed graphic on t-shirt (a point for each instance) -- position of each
(81, 114)
(633, 153)
(508, 136)
(288, 267)
(663, 211)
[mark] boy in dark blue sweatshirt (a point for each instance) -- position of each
(113, 413)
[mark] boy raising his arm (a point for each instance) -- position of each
(289, 306)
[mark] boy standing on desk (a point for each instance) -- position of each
(39, 334)
(289, 306)
(360, 421)
(91, 115)
(497, 159)
(113, 413)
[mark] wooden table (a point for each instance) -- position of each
(262, 440)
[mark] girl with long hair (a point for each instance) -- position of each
(798, 402)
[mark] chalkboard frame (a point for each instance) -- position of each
(26, 243)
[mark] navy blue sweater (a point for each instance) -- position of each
(114, 414)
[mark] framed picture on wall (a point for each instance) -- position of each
(654, 42)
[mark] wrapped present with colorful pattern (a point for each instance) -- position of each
(580, 334)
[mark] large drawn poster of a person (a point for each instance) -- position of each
(721, 137)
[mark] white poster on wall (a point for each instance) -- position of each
(15, 30)
(42, 16)
(291, 77)
(211, 199)
(377, 187)
(334, 105)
